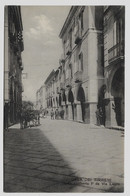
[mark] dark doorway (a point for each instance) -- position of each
(117, 90)
(81, 98)
(71, 99)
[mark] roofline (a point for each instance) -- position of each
(68, 19)
(50, 76)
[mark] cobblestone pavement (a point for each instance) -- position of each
(63, 156)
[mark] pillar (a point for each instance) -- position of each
(110, 113)
(79, 112)
(70, 116)
(93, 108)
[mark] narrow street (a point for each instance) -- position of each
(63, 156)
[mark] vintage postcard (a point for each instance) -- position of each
(64, 98)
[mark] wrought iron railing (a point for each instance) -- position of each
(116, 51)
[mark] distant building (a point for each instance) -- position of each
(12, 64)
(50, 90)
(40, 98)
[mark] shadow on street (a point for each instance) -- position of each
(32, 164)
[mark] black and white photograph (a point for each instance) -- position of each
(64, 98)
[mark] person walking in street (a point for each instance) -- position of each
(62, 114)
(52, 114)
(57, 114)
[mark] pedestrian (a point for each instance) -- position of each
(57, 114)
(62, 114)
(98, 116)
(21, 120)
(52, 114)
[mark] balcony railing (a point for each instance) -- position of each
(117, 51)
(78, 76)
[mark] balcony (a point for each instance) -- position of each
(116, 52)
(78, 35)
(78, 76)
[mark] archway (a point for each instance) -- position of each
(71, 99)
(81, 98)
(117, 91)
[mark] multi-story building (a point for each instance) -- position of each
(82, 62)
(91, 72)
(114, 39)
(12, 64)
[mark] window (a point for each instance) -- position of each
(75, 64)
(120, 30)
(81, 20)
(71, 71)
(80, 67)
(64, 47)
(70, 38)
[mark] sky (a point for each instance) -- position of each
(42, 45)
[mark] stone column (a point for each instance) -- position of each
(93, 108)
(70, 117)
(79, 112)
(110, 113)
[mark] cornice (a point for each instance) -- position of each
(68, 19)
(52, 74)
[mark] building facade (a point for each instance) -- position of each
(90, 75)
(114, 39)
(82, 62)
(13, 66)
